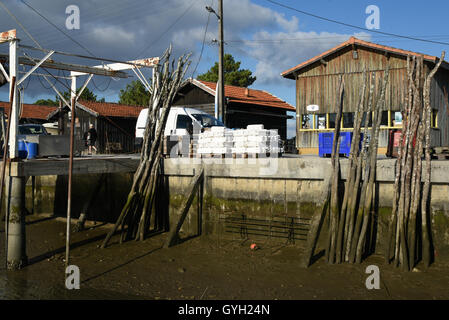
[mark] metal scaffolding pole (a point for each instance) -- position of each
(69, 190)
(14, 112)
(16, 249)
(221, 91)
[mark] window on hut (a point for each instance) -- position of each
(307, 121)
(321, 121)
(434, 120)
(332, 118)
(348, 120)
(370, 119)
(384, 120)
(397, 120)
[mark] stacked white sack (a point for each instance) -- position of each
(256, 139)
(217, 140)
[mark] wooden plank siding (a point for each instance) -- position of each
(114, 130)
(317, 84)
(238, 115)
(192, 95)
(439, 101)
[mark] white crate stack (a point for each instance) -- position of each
(256, 140)
(217, 140)
(252, 140)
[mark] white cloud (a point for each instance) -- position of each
(113, 36)
(287, 25)
(118, 29)
(279, 51)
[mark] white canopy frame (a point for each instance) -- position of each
(114, 69)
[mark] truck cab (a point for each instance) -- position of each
(180, 122)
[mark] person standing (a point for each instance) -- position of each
(91, 139)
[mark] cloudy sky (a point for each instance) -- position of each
(265, 37)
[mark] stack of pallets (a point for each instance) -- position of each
(440, 153)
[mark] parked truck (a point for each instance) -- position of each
(180, 122)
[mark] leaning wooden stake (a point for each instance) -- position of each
(135, 215)
(193, 187)
(317, 222)
(426, 188)
(354, 152)
(334, 205)
(356, 188)
(319, 215)
(373, 164)
(408, 200)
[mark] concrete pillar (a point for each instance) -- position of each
(16, 256)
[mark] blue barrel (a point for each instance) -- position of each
(22, 149)
(326, 140)
(32, 150)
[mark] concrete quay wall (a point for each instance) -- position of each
(264, 192)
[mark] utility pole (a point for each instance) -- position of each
(220, 86)
(221, 92)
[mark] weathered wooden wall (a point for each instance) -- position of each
(318, 84)
(114, 130)
(192, 95)
(439, 101)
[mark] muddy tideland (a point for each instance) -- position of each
(198, 269)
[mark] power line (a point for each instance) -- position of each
(202, 45)
(166, 30)
(354, 26)
(107, 85)
(251, 55)
(56, 79)
(18, 22)
(42, 84)
(322, 38)
(59, 29)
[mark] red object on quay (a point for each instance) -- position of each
(393, 142)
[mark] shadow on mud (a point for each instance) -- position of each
(74, 245)
(121, 265)
(40, 220)
(316, 257)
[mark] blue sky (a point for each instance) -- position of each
(266, 38)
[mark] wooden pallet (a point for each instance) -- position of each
(441, 150)
(253, 155)
(440, 156)
(212, 155)
(235, 155)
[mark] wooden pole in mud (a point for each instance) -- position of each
(69, 191)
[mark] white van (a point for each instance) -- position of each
(179, 120)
